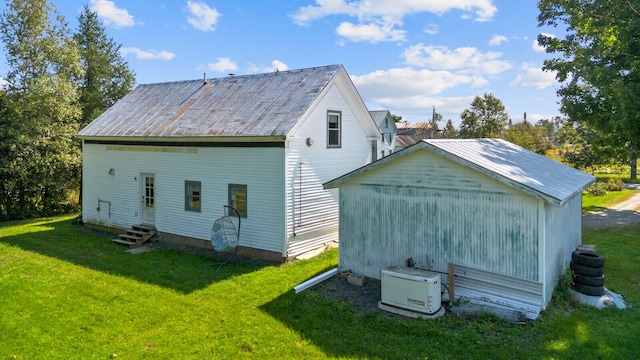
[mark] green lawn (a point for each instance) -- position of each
(69, 294)
(595, 203)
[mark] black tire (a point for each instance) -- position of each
(585, 270)
(588, 280)
(589, 290)
(587, 258)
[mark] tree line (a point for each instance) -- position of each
(57, 81)
(573, 142)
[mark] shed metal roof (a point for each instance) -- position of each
(511, 164)
(236, 106)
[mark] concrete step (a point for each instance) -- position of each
(124, 242)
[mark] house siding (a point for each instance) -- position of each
(562, 235)
(259, 168)
(311, 211)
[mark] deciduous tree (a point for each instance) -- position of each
(40, 109)
(486, 117)
(598, 64)
(532, 137)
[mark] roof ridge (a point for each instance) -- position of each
(337, 66)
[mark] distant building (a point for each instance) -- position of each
(388, 128)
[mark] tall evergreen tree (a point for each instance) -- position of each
(107, 77)
(40, 108)
(449, 131)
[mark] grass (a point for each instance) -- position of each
(595, 203)
(625, 177)
(69, 294)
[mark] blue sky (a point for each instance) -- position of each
(406, 56)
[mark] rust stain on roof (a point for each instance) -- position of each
(237, 106)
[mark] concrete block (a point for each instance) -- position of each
(355, 279)
(586, 247)
(344, 275)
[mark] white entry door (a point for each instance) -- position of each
(148, 199)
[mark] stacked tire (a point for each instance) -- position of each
(587, 268)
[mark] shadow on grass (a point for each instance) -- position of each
(341, 332)
(173, 269)
(592, 208)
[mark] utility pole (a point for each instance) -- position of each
(432, 130)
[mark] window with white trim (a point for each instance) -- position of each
(192, 199)
(238, 198)
(334, 129)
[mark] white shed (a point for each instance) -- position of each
(172, 155)
(507, 217)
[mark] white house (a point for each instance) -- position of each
(507, 218)
(172, 155)
(388, 127)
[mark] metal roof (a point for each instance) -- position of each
(508, 163)
(236, 106)
(379, 116)
(404, 141)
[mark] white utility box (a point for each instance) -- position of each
(411, 289)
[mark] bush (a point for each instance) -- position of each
(614, 184)
(596, 189)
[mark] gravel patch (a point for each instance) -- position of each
(623, 214)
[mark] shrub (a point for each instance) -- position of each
(614, 184)
(596, 189)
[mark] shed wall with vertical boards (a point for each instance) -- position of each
(482, 204)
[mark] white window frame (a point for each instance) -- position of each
(334, 131)
(234, 189)
(192, 196)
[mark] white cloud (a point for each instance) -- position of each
(409, 82)
(147, 55)
(378, 19)
(276, 65)
(467, 60)
(497, 40)
(112, 15)
(202, 17)
(223, 64)
(537, 47)
(431, 29)
(370, 32)
(279, 65)
(534, 77)
(397, 9)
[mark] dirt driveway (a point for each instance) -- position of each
(622, 214)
